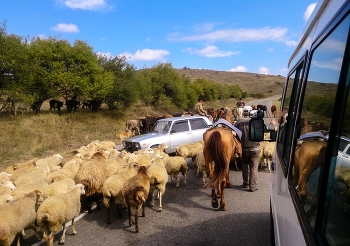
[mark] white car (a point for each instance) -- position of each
(343, 158)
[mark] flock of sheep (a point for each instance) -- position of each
(47, 192)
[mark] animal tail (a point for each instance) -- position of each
(140, 196)
(216, 150)
(45, 219)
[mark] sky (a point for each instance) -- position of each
(253, 36)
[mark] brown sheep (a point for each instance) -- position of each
(92, 174)
(135, 193)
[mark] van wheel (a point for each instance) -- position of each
(272, 229)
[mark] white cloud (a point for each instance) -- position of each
(210, 51)
(65, 28)
(239, 69)
(85, 4)
(308, 11)
(146, 55)
(106, 54)
(270, 49)
(236, 35)
(264, 70)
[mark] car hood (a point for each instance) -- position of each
(143, 137)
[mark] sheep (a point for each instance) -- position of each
(5, 199)
(158, 176)
(40, 185)
(174, 165)
(92, 174)
(57, 210)
(30, 164)
(266, 151)
(135, 192)
(58, 187)
(20, 172)
(18, 214)
(144, 160)
(4, 177)
(106, 144)
(69, 170)
(51, 161)
(123, 135)
(189, 150)
(201, 166)
(7, 187)
(113, 165)
(112, 187)
(40, 173)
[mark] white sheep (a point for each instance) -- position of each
(58, 187)
(135, 193)
(40, 185)
(174, 165)
(40, 173)
(52, 162)
(189, 150)
(4, 177)
(7, 187)
(158, 176)
(113, 165)
(30, 164)
(92, 174)
(266, 152)
(20, 172)
(5, 199)
(69, 170)
(201, 166)
(57, 210)
(18, 214)
(112, 188)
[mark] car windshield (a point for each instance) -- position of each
(161, 127)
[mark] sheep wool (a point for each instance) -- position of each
(23, 207)
(135, 192)
(57, 210)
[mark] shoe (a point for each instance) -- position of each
(244, 185)
(253, 189)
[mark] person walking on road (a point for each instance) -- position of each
(240, 105)
(250, 156)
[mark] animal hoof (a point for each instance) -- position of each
(214, 204)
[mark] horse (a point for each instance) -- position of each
(274, 111)
(220, 147)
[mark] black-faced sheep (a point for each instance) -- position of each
(17, 215)
(135, 192)
(158, 177)
(57, 210)
(112, 188)
(92, 174)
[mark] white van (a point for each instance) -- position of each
(309, 186)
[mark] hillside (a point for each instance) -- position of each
(269, 85)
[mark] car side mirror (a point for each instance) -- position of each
(172, 131)
(256, 129)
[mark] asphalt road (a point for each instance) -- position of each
(187, 218)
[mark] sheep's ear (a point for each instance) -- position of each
(15, 166)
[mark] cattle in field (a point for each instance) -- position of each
(36, 106)
(133, 126)
(55, 104)
(72, 105)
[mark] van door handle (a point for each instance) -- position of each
(272, 166)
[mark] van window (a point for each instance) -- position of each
(317, 108)
(287, 116)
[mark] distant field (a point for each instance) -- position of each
(269, 85)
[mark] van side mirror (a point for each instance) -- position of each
(256, 129)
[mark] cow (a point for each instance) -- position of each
(133, 126)
(72, 105)
(36, 106)
(55, 104)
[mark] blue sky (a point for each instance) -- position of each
(246, 36)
